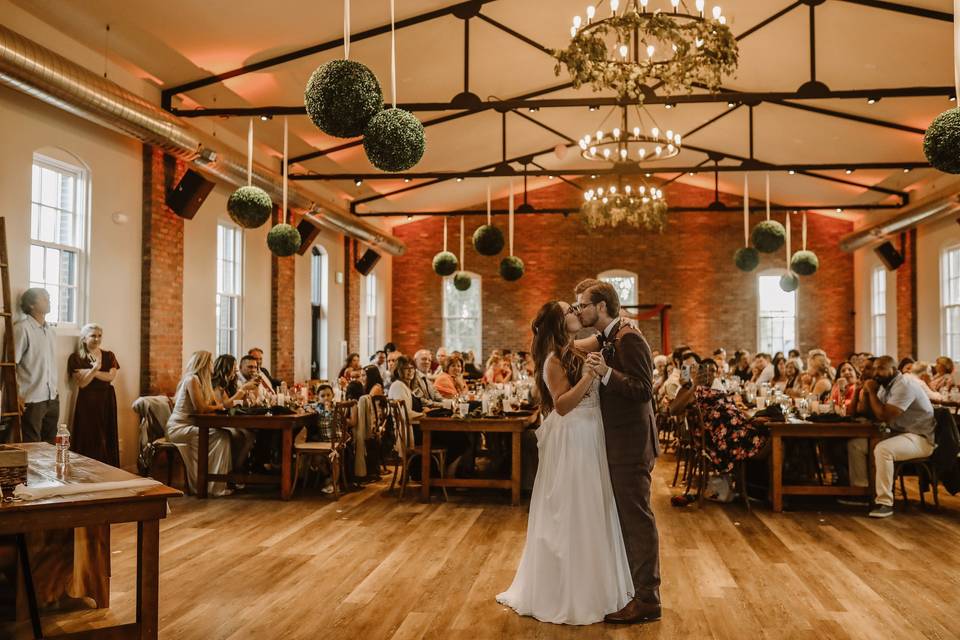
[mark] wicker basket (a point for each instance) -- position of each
(13, 466)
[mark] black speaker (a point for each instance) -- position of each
(309, 230)
(185, 199)
(889, 255)
(367, 262)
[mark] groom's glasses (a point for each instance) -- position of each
(578, 308)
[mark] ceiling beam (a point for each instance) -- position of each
(849, 116)
(943, 16)
(166, 97)
(625, 171)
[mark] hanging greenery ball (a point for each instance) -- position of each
(445, 263)
(250, 207)
(283, 240)
(462, 281)
(488, 240)
(941, 142)
(746, 258)
(804, 263)
(394, 140)
(511, 268)
(768, 236)
(789, 281)
(341, 97)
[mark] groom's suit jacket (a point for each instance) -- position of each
(629, 423)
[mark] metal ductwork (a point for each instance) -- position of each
(923, 214)
(51, 78)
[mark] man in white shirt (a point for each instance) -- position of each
(250, 370)
(767, 372)
(35, 354)
(901, 403)
(422, 386)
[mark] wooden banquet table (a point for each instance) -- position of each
(512, 425)
(818, 430)
(285, 423)
(146, 507)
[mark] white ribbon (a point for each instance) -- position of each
(768, 194)
(488, 194)
(250, 153)
(956, 50)
(787, 221)
(393, 55)
(283, 213)
(445, 234)
(804, 230)
(746, 209)
(510, 219)
(346, 29)
(461, 244)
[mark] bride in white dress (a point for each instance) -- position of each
(574, 566)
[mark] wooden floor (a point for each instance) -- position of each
(369, 567)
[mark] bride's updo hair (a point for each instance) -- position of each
(550, 336)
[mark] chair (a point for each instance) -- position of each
(701, 461)
(408, 451)
(331, 452)
(154, 411)
(947, 443)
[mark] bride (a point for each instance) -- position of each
(574, 566)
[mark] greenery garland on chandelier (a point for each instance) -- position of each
(704, 50)
(637, 208)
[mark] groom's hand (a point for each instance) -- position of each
(595, 362)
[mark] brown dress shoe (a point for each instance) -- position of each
(636, 611)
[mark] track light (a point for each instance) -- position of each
(459, 179)
(648, 174)
(791, 172)
(409, 217)
(593, 107)
(848, 171)
(669, 105)
(266, 117)
(549, 177)
(906, 170)
(731, 104)
(358, 181)
(693, 173)
(406, 179)
(839, 210)
(873, 100)
(953, 98)
(533, 109)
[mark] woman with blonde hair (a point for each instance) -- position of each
(94, 432)
(195, 395)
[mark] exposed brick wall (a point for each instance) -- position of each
(283, 288)
(907, 297)
(689, 266)
(161, 306)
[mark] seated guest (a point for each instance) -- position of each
(818, 367)
(901, 403)
(257, 353)
(506, 366)
(401, 389)
(762, 368)
(372, 381)
(421, 386)
(720, 357)
(195, 395)
(527, 364)
(792, 373)
(780, 379)
(943, 378)
(905, 364)
(659, 371)
(441, 363)
(845, 388)
(322, 430)
(450, 383)
(352, 364)
(391, 366)
(741, 367)
(228, 392)
(470, 369)
(380, 360)
(689, 361)
(920, 371)
(250, 372)
(494, 373)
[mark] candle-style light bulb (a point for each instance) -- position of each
(593, 151)
(624, 51)
(669, 135)
(573, 32)
(614, 5)
(722, 19)
(588, 196)
(655, 132)
(658, 150)
(628, 189)
(716, 13)
(591, 11)
(701, 4)
(623, 154)
(616, 132)
(613, 189)
(577, 21)
(675, 3)
(636, 132)
(599, 136)
(606, 153)
(650, 50)
(644, 3)
(676, 139)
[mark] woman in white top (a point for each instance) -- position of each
(195, 395)
(400, 390)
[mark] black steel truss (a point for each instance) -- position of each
(737, 208)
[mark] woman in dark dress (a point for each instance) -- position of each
(95, 415)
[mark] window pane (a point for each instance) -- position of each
(462, 326)
(626, 287)
(777, 316)
(49, 187)
(36, 263)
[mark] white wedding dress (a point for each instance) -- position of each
(574, 566)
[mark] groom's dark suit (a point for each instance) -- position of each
(632, 447)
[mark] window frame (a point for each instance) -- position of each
(370, 302)
(623, 273)
(878, 310)
(945, 304)
(236, 332)
(476, 281)
(319, 295)
(81, 218)
(785, 346)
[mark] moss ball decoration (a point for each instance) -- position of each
(394, 140)
(511, 268)
(488, 240)
(250, 207)
(283, 240)
(746, 258)
(445, 264)
(941, 142)
(789, 281)
(341, 97)
(768, 236)
(804, 263)
(462, 281)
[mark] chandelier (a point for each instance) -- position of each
(639, 206)
(635, 47)
(624, 145)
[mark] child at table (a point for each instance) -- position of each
(322, 430)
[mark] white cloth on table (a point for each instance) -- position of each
(574, 566)
(180, 430)
(24, 492)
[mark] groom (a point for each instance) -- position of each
(620, 356)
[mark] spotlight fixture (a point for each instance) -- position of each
(459, 179)
(593, 176)
(669, 105)
(693, 173)
(648, 174)
(839, 210)
(409, 217)
(533, 109)
(906, 170)
(731, 104)
(593, 107)
(266, 117)
(406, 179)
(791, 172)
(358, 181)
(549, 177)
(848, 171)
(873, 100)
(953, 98)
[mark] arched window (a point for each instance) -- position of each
(462, 316)
(625, 282)
(777, 314)
(58, 233)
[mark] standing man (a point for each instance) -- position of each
(625, 369)
(35, 354)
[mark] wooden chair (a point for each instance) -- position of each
(408, 450)
(330, 452)
(926, 469)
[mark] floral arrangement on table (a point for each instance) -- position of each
(704, 52)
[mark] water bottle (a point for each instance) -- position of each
(63, 445)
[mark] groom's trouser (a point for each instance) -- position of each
(631, 488)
